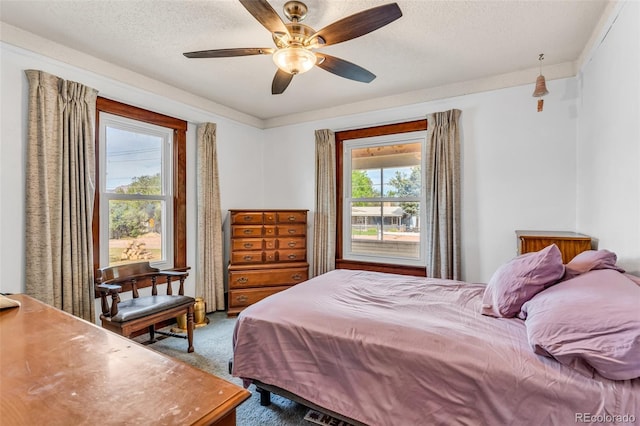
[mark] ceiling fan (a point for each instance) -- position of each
(295, 42)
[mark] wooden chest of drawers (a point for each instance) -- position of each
(268, 254)
(569, 243)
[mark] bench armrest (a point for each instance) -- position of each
(108, 288)
(113, 290)
(174, 273)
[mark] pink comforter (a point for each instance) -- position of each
(387, 349)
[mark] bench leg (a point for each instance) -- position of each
(190, 328)
(152, 333)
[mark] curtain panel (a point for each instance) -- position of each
(60, 189)
(210, 272)
(442, 183)
(324, 221)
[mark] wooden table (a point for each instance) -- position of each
(57, 369)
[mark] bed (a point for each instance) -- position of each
(386, 349)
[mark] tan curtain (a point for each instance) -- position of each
(210, 273)
(60, 187)
(324, 229)
(442, 182)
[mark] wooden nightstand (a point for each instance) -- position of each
(569, 243)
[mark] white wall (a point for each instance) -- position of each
(239, 154)
(608, 148)
(575, 166)
(521, 169)
(518, 166)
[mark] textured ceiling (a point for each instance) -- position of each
(434, 44)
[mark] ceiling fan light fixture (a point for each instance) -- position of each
(294, 59)
(296, 42)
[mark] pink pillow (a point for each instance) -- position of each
(520, 279)
(590, 260)
(591, 322)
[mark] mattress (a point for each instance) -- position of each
(386, 349)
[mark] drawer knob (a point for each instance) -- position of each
(292, 256)
(292, 244)
(296, 277)
(248, 218)
(242, 280)
(242, 298)
(292, 218)
(292, 231)
(248, 231)
(248, 257)
(248, 245)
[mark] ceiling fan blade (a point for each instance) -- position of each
(264, 13)
(227, 53)
(359, 24)
(280, 82)
(344, 68)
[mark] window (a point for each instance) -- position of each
(381, 198)
(135, 192)
(140, 202)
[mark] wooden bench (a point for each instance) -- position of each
(140, 312)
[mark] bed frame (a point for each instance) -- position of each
(265, 390)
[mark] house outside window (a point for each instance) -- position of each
(383, 199)
(140, 207)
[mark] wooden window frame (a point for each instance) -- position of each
(179, 177)
(340, 137)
